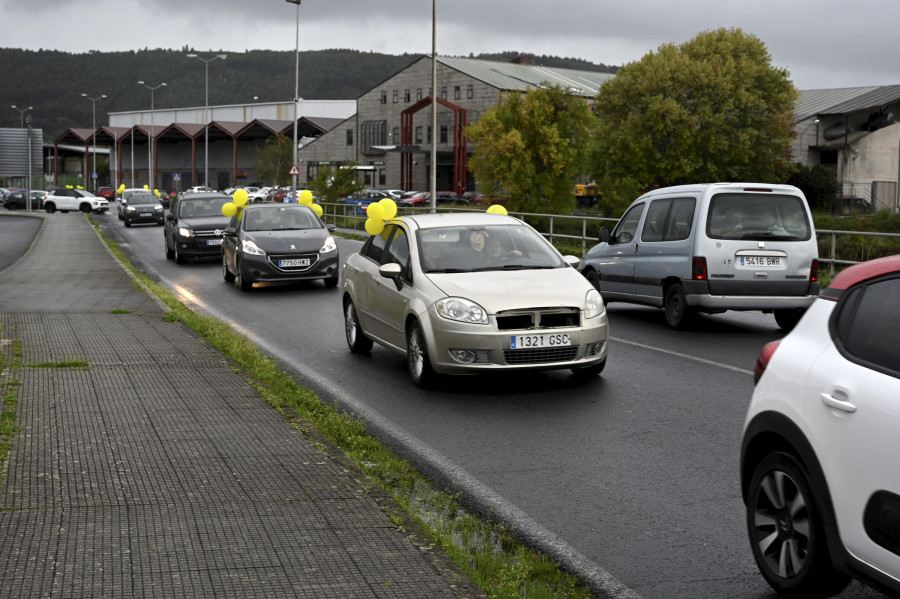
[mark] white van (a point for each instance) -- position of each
(710, 248)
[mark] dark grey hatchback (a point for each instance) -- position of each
(194, 226)
(278, 242)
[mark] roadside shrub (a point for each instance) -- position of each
(819, 184)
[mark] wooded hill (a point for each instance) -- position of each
(52, 82)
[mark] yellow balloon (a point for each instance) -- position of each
(80, 187)
(146, 186)
(317, 209)
(240, 197)
(497, 209)
(390, 208)
(121, 188)
(229, 209)
(375, 211)
(374, 227)
(156, 193)
(306, 197)
(69, 187)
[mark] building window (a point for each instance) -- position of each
(395, 134)
(384, 97)
(382, 180)
(419, 134)
(372, 133)
(429, 133)
(349, 137)
(396, 96)
(470, 91)
(406, 95)
(456, 93)
(418, 94)
(445, 130)
(444, 92)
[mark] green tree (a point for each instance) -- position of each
(331, 185)
(711, 109)
(274, 159)
(531, 146)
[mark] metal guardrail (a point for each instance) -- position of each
(347, 211)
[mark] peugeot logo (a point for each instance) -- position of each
(293, 247)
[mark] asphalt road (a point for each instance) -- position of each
(636, 471)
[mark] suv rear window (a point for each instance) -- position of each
(760, 217)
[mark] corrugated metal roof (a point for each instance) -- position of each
(843, 100)
(509, 76)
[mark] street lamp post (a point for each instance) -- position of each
(296, 100)
(206, 114)
(150, 174)
(94, 133)
(22, 112)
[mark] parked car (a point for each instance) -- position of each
(418, 198)
(15, 200)
(67, 199)
(711, 248)
(433, 287)
(107, 192)
(363, 198)
(818, 475)
(448, 197)
(194, 226)
(199, 189)
(143, 207)
(278, 242)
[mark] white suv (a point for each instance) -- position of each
(822, 432)
(80, 200)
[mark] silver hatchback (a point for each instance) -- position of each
(463, 293)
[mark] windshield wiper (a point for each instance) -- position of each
(448, 270)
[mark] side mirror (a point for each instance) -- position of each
(392, 271)
(573, 261)
(604, 235)
(331, 228)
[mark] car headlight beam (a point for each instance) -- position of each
(328, 246)
(185, 232)
(462, 310)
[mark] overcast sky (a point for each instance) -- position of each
(822, 43)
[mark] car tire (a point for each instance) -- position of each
(170, 255)
(245, 284)
(127, 223)
(226, 274)
(179, 257)
(356, 339)
(330, 282)
(593, 278)
(678, 313)
(417, 360)
(85, 207)
(50, 207)
(787, 533)
(788, 319)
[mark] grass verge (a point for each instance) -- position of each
(486, 551)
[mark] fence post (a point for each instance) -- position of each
(833, 244)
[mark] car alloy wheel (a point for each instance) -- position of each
(417, 356)
(786, 530)
(356, 339)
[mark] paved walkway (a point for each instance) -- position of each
(158, 471)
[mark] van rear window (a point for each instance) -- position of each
(759, 217)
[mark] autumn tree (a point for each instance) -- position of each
(711, 109)
(530, 147)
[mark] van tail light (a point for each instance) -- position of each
(698, 269)
(762, 360)
(814, 271)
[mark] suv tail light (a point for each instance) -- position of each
(698, 268)
(814, 271)
(762, 360)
